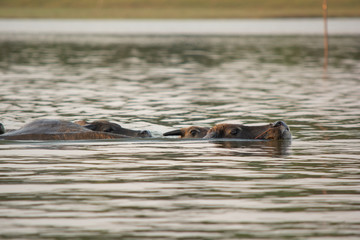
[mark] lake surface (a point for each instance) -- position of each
(167, 188)
(289, 26)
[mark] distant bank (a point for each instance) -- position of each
(175, 9)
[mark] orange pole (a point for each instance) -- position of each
(326, 43)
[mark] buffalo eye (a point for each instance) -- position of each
(193, 132)
(234, 131)
(108, 129)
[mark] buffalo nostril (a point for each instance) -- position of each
(281, 123)
(145, 133)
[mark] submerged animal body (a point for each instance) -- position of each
(189, 132)
(50, 129)
(274, 131)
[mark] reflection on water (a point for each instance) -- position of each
(168, 188)
(267, 148)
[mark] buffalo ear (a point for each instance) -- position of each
(2, 128)
(211, 135)
(173, 133)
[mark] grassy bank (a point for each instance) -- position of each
(175, 8)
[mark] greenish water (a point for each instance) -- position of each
(165, 188)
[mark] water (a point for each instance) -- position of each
(167, 188)
(289, 26)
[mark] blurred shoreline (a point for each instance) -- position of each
(175, 9)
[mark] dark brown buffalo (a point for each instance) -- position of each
(273, 131)
(49, 129)
(189, 132)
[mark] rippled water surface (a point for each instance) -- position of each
(167, 188)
